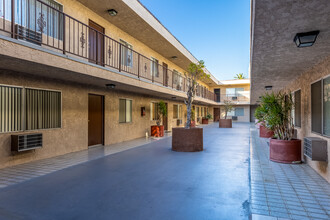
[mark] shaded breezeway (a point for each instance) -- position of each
(147, 182)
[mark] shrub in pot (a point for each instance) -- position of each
(158, 130)
(189, 139)
(259, 114)
(283, 148)
(205, 120)
(224, 122)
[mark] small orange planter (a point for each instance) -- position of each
(265, 132)
(205, 121)
(157, 131)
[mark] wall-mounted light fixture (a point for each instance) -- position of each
(112, 12)
(306, 39)
(174, 57)
(268, 87)
(110, 86)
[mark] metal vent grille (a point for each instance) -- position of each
(26, 142)
(28, 35)
(315, 148)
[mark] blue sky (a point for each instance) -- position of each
(216, 31)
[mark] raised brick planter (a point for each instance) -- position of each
(225, 123)
(187, 140)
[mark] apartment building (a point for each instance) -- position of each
(75, 74)
(237, 92)
(293, 53)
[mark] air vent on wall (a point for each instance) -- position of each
(31, 36)
(24, 142)
(315, 148)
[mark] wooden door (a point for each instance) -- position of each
(165, 122)
(96, 43)
(216, 114)
(95, 120)
(165, 72)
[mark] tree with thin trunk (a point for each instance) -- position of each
(195, 72)
(228, 107)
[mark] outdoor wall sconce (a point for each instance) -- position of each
(110, 86)
(143, 111)
(306, 39)
(174, 57)
(112, 12)
(268, 87)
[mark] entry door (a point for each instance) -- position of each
(216, 114)
(95, 120)
(165, 66)
(96, 43)
(165, 123)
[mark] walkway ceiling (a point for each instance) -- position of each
(275, 59)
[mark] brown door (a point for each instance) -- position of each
(216, 114)
(165, 66)
(95, 120)
(96, 43)
(165, 123)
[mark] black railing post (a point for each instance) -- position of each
(138, 65)
(12, 18)
(64, 34)
(119, 58)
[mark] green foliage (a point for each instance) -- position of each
(239, 76)
(162, 111)
(275, 111)
(228, 107)
(208, 116)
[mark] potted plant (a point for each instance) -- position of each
(259, 114)
(224, 122)
(189, 139)
(205, 120)
(283, 148)
(158, 130)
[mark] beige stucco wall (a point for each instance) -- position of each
(73, 136)
(303, 82)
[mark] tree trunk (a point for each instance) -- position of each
(190, 94)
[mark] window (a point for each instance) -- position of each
(126, 54)
(197, 110)
(28, 13)
(234, 92)
(177, 80)
(297, 108)
(217, 94)
(326, 106)
(125, 110)
(239, 111)
(154, 111)
(202, 111)
(316, 90)
(231, 113)
(43, 109)
(177, 111)
(154, 67)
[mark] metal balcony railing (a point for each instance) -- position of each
(42, 24)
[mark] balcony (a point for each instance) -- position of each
(238, 98)
(48, 27)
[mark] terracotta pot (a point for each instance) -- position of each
(265, 132)
(205, 121)
(192, 124)
(157, 131)
(225, 123)
(257, 123)
(187, 140)
(284, 151)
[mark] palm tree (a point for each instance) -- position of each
(239, 76)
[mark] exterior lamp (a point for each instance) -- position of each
(268, 87)
(306, 39)
(174, 57)
(112, 12)
(110, 86)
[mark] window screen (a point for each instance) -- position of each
(217, 94)
(10, 109)
(326, 106)
(175, 111)
(125, 110)
(297, 108)
(154, 110)
(316, 90)
(239, 111)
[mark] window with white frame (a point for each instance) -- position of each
(177, 111)
(43, 109)
(234, 92)
(125, 110)
(154, 67)
(154, 111)
(197, 111)
(126, 54)
(239, 111)
(177, 80)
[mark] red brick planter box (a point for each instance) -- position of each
(265, 132)
(284, 151)
(157, 131)
(205, 121)
(187, 140)
(225, 123)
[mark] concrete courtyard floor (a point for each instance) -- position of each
(143, 179)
